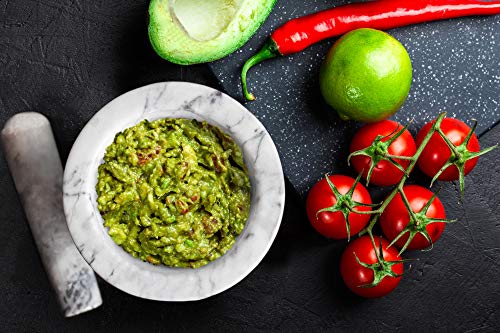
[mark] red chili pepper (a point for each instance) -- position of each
(297, 34)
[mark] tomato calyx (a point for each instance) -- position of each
(459, 155)
(379, 151)
(418, 223)
(345, 204)
(382, 268)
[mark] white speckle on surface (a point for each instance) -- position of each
(456, 68)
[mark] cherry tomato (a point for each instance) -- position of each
(332, 224)
(396, 217)
(356, 276)
(436, 153)
(384, 173)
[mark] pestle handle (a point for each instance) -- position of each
(35, 166)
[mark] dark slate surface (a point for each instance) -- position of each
(68, 58)
(456, 69)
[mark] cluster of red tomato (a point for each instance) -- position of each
(339, 206)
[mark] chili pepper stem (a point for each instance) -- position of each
(268, 51)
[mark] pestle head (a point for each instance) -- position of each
(24, 121)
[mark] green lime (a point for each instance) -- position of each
(366, 75)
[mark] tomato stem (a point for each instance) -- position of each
(382, 268)
(459, 156)
(418, 220)
(379, 151)
(344, 203)
(413, 161)
(409, 158)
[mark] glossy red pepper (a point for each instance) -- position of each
(297, 34)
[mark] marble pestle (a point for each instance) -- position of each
(36, 168)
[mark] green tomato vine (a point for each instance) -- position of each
(418, 220)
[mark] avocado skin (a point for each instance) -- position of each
(169, 50)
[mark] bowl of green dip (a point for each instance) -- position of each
(173, 192)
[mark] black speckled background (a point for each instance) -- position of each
(68, 58)
(456, 68)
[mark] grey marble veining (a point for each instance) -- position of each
(186, 100)
(36, 168)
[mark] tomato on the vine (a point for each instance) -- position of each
(437, 153)
(333, 224)
(360, 276)
(427, 217)
(384, 172)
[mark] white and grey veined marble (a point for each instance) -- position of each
(173, 100)
(34, 163)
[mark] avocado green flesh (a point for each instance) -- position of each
(196, 31)
(174, 192)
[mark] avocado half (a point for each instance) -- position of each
(195, 31)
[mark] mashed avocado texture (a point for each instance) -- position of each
(174, 192)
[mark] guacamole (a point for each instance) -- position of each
(174, 192)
